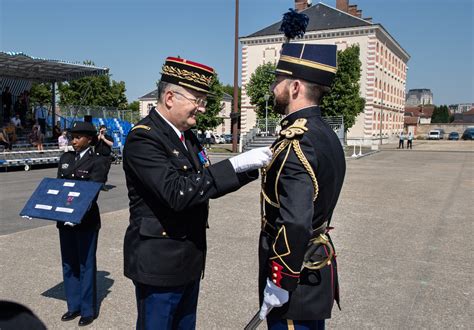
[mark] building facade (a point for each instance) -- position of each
(383, 71)
(415, 97)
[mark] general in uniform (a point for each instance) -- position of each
(79, 242)
(300, 189)
(170, 182)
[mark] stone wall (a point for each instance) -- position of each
(423, 130)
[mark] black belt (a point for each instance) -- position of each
(273, 232)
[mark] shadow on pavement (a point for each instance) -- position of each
(103, 288)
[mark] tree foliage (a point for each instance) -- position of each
(229, 89)
(258, 86)
(344, 98)
(40, 93)
(210, 119)
(94, 90)
(440, 114)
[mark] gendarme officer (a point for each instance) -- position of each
(298, 272)
(79, 242)
(170, 182)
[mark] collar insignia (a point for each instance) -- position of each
(176, 152)
(64, 166)
(297, 128)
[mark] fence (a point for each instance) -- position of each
(79, 111)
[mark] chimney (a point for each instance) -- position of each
(352, 10)
(301, 5)
(342, 5)
(359, 13)
(368, 19)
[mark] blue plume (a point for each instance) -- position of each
(294, 24)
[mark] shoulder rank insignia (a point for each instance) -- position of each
(297, 128)
(141, 126)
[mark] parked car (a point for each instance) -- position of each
(441, 132)
(228, 138)
(434, 134)
(217, 139)
(468, 134)
(453, 136)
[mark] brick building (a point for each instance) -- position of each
(384, 65)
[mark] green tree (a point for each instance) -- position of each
(134, 106)
(94, 90)
(440, 114)
(344, 98)
(210, 119)
(258, 86)
(40, 93)
(229, 89)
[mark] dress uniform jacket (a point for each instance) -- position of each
(169, 189)
(300, 189)
(89, 168)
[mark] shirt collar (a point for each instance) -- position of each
(83, 152)
(177, 131)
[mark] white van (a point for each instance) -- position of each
(434, 135)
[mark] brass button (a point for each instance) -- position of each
(274, 281)
(185, 167)
(164, 233)
(275, 275)
(275, 268)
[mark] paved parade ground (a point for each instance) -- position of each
(403, 235)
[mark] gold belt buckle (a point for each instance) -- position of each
(322, 239)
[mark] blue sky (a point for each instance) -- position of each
(133, 37)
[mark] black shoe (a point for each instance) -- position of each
(85, 320)
(104, 188)
(68, 316)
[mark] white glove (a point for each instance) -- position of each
(273, 296)
(70, 224)
(252, 159)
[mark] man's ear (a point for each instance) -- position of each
(295, 88)
(168, 99)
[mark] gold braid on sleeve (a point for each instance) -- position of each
(299, 153)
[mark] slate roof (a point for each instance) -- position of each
(321, 17)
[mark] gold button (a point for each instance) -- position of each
(164, 233)
(275, 275)
(274, 281)
(185, 167)
(275, 268)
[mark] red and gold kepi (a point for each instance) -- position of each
(314, 63)
(187, 74)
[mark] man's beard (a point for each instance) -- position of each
(281, 103)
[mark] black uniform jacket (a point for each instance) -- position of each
(300, 190)
(169, 190)
(89, 168)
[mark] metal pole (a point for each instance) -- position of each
(235, 111)
(53, 106)
(266, 116)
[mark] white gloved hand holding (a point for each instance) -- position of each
(252, 159)
(273, 296)
(70, 224)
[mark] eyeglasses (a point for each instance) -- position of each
(198, 101)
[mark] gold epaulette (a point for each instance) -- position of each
(142, 126)
(297, 128)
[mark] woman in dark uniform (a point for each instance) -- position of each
(79, 242)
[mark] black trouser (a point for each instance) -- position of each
(42, 123)
(6, 145)
(401, 144)
(409, 144)
(107, 163)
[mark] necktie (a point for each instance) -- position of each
(181, 137)
(78, 156)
